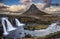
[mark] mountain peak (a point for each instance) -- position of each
(33, 10)
(32, 7)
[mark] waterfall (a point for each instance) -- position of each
(4, 28)
(9, 25)
(18, 23)
(21, 28)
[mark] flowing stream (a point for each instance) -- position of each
(20, 32)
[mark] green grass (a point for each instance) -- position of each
(36, 27)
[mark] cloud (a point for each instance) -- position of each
(52, 9)
(16, 8)
(1, 4)
(21, 8)
(39, 5)
(26, 1)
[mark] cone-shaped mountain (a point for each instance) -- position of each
(33, 10)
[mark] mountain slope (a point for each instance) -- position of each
(33, 10)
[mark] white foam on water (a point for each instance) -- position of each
(4, 28)
(18, 23)
(9, 25)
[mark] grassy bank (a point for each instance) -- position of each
(37, 27)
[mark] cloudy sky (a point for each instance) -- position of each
(11, 2)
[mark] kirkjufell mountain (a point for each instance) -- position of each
(33, 10)
(38, 16)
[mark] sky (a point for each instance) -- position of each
(13, 2)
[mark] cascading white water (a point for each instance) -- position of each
(4, 28)
(18, 23)
(21, 26)
(9, 25)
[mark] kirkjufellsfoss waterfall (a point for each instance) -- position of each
(21, 25)
(4, 28)
(54, 27)
(9, 26)
(18, 22)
